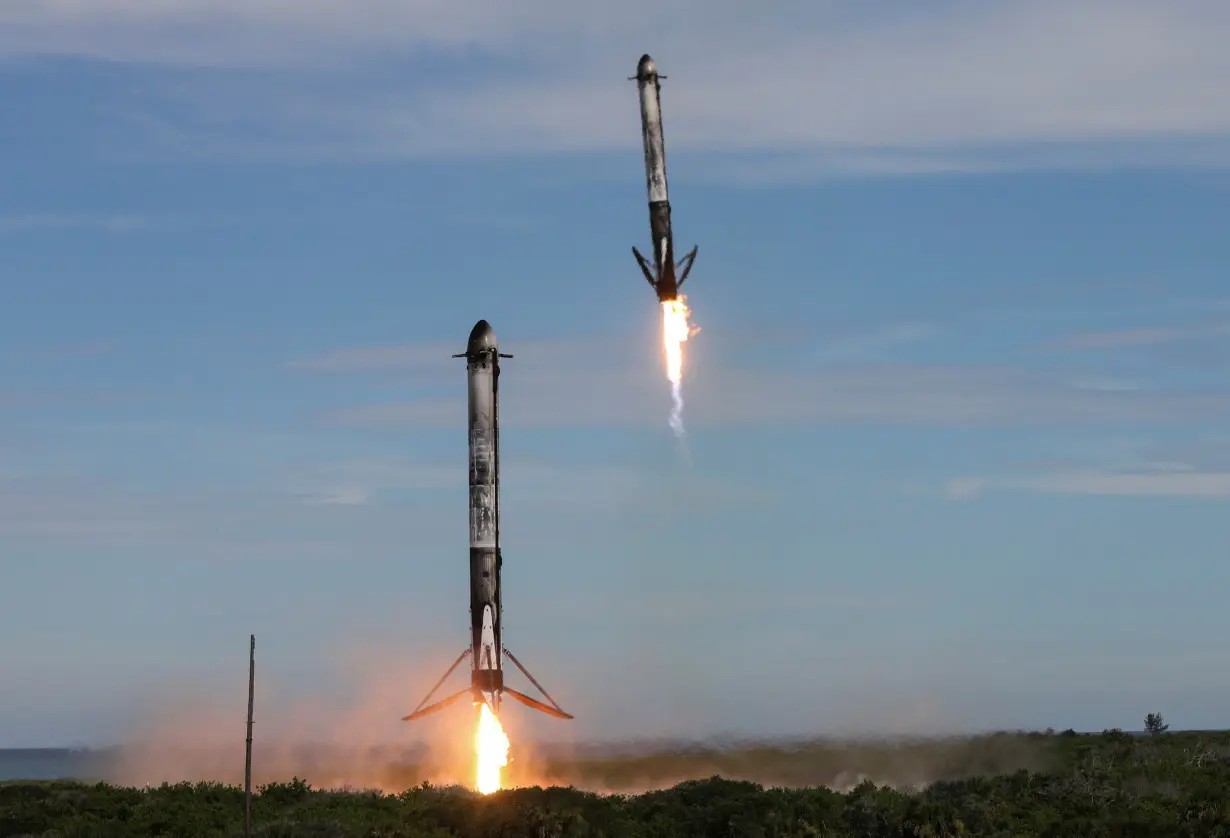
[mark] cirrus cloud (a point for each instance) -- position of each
(820, 86)
(611, 386)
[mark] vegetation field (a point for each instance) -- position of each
(1005, 785)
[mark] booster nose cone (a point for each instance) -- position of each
(482, 338)
(646, 68)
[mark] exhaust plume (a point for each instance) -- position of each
(675, 332)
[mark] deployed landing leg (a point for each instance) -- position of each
(553, 710)
(421, 711)
(685, 265)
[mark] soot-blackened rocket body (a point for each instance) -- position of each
(482, 375)
(664, 275)
(486, 650)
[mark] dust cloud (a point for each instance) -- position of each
(906, 764)
(347, 732)
(352, 738)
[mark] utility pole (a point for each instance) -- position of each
(247, 769)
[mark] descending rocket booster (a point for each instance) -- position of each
(662, 275)
(486, 648)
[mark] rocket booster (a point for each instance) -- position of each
(664, 275)
(482, 374)
(486, 650)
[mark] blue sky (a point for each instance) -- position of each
(957, 413)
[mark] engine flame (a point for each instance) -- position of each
(675, 331)
(491, 749)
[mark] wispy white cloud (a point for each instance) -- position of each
(332, 509)
(1121, 338)
(961, 488)
(685, 607)
(556, 485)
(872, 345)
(39, 507)
(1155, 478)
(233, 33)
(1151, 336)
(83, 350)
(378, 358)
(1183, 484)
(619, 387)
(45, 221)
(342, 495)
(1108, 385)
(41, 399)
(831, 85)
(358, 482)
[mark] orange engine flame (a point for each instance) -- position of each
(491, 749)
(675, 331)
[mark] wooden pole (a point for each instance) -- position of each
(247, 769)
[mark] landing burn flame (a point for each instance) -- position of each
(491, 750)
(675, 332)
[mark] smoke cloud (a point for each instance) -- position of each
(353, 737)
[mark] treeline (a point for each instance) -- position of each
(1110, 784)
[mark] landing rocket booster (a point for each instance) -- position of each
(662, 274)
(486, 650)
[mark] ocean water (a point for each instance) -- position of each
(327, 766)
(53, 764)
(138, 767)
